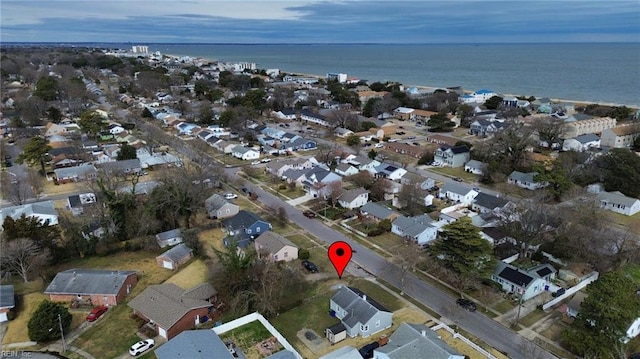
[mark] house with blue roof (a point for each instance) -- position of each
(244, 227)
(186, 128)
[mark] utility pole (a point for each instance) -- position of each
(519, 305)
(64, 347)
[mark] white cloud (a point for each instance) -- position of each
(34, 12)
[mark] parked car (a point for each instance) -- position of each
(411, 137)
(96, 313)
(558, 293)
(393, 140)
(141, 347)
(255, 163)
(367, 351)
(458, 179)
(309, 214)
(245, 190)
(309, 266)
(230, 196)
(265, 160)
(379, 145)
(466, 304)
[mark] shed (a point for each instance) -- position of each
(336, 333)
(175, 257)
(169, 238)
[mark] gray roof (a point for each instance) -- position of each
(413, 226)
(215, 202)
(28, 209)
(586, 138)
(283, 354)
(242, 150)
(413, 178)
(88, 281)
(167, 303)
(350, 195)
(617, 198)
(344, 167)
(455, 187)
(117, 166)
(523, 177)
(475, 164)
(141, 188)
(178, 252)
(490, 202)
(194, 344)
(273, 242)
(293, 174)
(413, 341)
(244, 219)
(359, 309)
(165, 236)
(7, 298)
(77, 171)
(377, 210)
(346, 352)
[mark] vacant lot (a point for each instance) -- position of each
(193, 274)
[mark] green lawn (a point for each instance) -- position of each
(455, 172)
(504, 306)
(634, 271)
(533, 317)
(632, 223)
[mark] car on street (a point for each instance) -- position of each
(411, 137)
(379, 145)
(230, 196)
(309, 266)
(415, 143)
(255, 163)
(96, 313)
(265, 160)
(477, 189)
(458, 179)
(466, 304)
(141, 347)
(393, 140)
(309, 214)
(366, 145)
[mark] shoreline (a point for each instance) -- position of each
(425, 87)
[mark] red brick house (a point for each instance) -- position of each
(171, 310)
(97, 286)
(405, 149)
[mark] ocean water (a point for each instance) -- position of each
(598, 72)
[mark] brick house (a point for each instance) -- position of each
(170, 310)
(97, 286)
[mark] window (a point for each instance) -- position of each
(286, 254)
(248, 231)
(364, 328)
(258, 229)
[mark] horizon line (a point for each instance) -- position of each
(2, 43)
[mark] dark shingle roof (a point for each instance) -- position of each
(7, 298)
(244, 219)
(88, 281)
(459, 149)
(515, 276)
(489, 201)
(544, 271)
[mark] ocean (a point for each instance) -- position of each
(595, 72)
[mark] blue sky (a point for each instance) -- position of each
(348, 21)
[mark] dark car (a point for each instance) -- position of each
(466, 304)
(309, 266)
(367, 351)
(458, 179)
(558, 293)
(309, 214)
(96, 313)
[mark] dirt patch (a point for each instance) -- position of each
(312, 340)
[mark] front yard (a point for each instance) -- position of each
(455, 172)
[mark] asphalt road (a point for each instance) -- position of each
(475, 323)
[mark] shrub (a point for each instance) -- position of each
(44, 325)
(304, 254)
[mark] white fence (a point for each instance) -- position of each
(252, 318)
(464, 339)
(583, 283)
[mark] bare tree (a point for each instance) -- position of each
(282, 216)
(528, 223)
(334, 191)
(342, 118)
(412, 197)
(550, 130)
(36, 181)
(406, 256)
(13, 189)
(23, 257)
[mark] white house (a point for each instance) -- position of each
(415, 341)
(354, 198)
(115, 129)
(475, 167)
(245, 153)
(525, 180)
(390, 172)
(276, 247)
(360, 314)
(455, 156)
(45, 212)
(479, 96)
(581, 143)
(417, 229)
(619, 203)
(528, 283)
(458, 193)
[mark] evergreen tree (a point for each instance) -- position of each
(127, 152)
(34, 152)
(464, 252)
(44, 325)
(146, 113)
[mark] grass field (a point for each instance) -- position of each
(193, 274)
(455, 172)
(17, 328)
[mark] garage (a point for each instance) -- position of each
(167, 264)
(162, 332)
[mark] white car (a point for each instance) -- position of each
(230, 196)
(141, 346)
(393, 140)
(379, 145)
(265, 160)
(255, 163)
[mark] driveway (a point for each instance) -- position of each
(300, 200)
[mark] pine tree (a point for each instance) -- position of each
(44, 325)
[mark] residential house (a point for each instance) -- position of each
(415, 341)
(362, 163)
(360, 314)
(170, 310)
(417, 229)
(412, 179)
(121, 167)
(286, 114)
(316, 118)
(346, 352)
(442, 140)
(345, 169)
(475, 167)
(84, 172)
(169, 238)
(581, 143)
(620, 137)
(405, 149)
(96, 286)
(619, 203)
(52, 129)
(319, 182)
(525, 180)
(428, 184)
(389, 172)
(457, 192)
(528, 283)
(378, 211)
(588, 125)
(300, 144)
(115, 129)
(353, 198)
(403, 113)
(140, 189)
(7, 301)
(485, 203)
(185, 128)
(243, 228)
(342, 132)
(224, 146)
(279, 167)
(45, 212)
(455, 156)
(194, 344)
(175, 257)
(485, 128)
(157, 159)
(77, 202)
(479, 96)
(219, 208)
(276, 247)
(245, 153)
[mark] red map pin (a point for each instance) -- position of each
(340, 254)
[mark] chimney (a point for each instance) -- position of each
(74, 274)
(364, 297)
(424, 333)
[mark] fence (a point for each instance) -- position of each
(464, 339)
(583, 283)
(252, 318)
